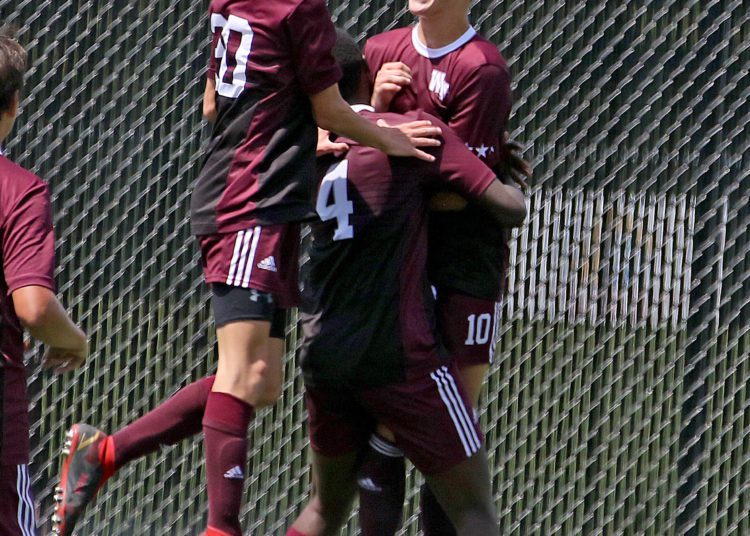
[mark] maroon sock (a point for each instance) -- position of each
(382, 486)
(434, 520)
(225, 426)
(178, 418)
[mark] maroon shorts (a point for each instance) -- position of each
(467, 327)
(431, 418)
(263, 258)
(17, 516)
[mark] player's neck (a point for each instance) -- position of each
(441, 30)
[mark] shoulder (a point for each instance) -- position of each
(17, 183)
(480, 53)
(306, 6)
(386, 40)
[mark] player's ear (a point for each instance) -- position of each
(12, 110)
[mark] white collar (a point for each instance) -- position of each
(362, 108)
(433, 53)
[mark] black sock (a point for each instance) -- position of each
(382, 483)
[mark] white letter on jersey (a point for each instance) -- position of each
(335, 181)
(241, 57)
(439, 85)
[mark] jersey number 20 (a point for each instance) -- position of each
(333, 188)
(231, 59)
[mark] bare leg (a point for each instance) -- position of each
(334, 488)
(465, 494)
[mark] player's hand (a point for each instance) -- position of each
(516, 167)
(399, 144)
(391, 78)
(326, 146)
(447, 202)
(422, 133)
(63, 360)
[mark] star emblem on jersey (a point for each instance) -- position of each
(269, 263)
(235, 473)
(482, 151)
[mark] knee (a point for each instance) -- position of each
(265, 385)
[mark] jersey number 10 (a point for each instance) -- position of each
(231, 59)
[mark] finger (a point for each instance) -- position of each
(425, 142)
(387, 88)
(383, 123)
(68, 366)
(391, 78)
(425, 132)
(397, 66)
(423, 155)
(28, 344)
(514, 146)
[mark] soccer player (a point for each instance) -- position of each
(445, 68)
(27, 300)
(370, 350)
(271, 78)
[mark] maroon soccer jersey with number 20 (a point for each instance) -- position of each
(467, 85)
(27, 251)
(266, 59)
(366, 305)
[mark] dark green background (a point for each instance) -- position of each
(619, 399)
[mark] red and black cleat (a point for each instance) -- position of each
(81, 476)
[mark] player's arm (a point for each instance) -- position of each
(332, 113)
(210, 111)
(28, 265)
(46, 320)
(505, 203)
(462, 171)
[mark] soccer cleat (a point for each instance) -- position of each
(81, 476)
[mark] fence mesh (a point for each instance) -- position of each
(619, 400)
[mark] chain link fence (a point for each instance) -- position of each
(619, 400)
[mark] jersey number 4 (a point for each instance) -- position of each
(333, 200)
(232, 53)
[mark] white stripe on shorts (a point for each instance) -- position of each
(241, 261)
(457, 410)
(25, 504)
(251, 260)
(235, 256)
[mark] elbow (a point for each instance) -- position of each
(518, 215)
(34, 315)
(35, 307)
(515, 212)
(210, 112)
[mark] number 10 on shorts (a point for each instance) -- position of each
(479, 329)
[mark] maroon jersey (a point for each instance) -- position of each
(27, 250)
(367, 308)
(266, 58)
(467, 85)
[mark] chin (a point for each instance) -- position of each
(420, 8)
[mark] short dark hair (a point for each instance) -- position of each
(349, 57)
(13, 60)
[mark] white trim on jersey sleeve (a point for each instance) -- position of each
(362, 108)
(433, 53)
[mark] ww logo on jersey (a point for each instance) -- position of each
(439, 85)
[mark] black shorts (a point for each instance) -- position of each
(235, 304)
